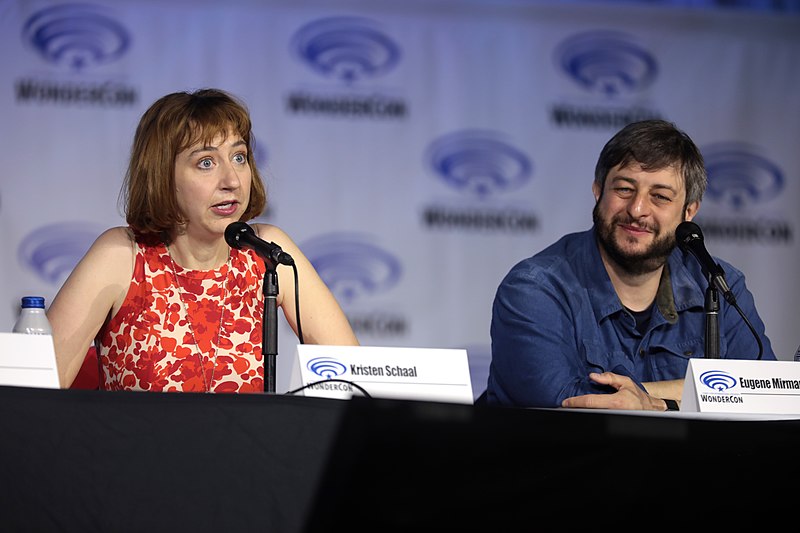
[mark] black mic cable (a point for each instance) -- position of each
(334, 380)
(297, 304)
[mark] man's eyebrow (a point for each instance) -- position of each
(635, 182)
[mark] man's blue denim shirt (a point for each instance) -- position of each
(556, 318)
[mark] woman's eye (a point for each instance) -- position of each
(240, 158)
(205, 163)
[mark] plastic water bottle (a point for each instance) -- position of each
(32, 318)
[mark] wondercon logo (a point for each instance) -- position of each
(351, 266)
(76, 36)
(717, 380)
(479, 162)
(606, 62)
(53, 251)
(326, 367)
(346, 48)
(738, 176)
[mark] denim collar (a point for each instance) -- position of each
(677, 290)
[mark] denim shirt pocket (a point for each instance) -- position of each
(600, 359)
(671, 359)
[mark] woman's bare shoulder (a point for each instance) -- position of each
(270, 232)
(113, 244)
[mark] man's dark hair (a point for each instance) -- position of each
(655, 144)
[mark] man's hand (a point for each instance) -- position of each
(628, 396)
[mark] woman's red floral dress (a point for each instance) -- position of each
(148, 345)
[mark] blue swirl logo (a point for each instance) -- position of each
(76, 35)
(346, 48)
(717, 380)
(738, 176)
(351, 266)
(53, 251)
(479, 162)
(326, 367)
(607, 62)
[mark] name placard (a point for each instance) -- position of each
(28, 361)
(741, 386)
(431, 374)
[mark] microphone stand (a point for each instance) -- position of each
(269, 326)
(712, 321)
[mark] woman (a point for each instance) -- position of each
(169, 305)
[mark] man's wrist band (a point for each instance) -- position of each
(672, 405)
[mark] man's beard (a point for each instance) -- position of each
(632, 263)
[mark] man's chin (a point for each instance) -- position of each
(639, 263)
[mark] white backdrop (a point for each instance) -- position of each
(414, 150)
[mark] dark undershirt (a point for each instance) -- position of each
(642, 318)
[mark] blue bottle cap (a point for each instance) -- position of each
(32, 301)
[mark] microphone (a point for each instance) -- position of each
(239, 235)
(690, 239)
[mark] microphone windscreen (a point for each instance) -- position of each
(234, 231)
(687, 231)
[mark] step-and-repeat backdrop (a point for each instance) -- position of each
(414, 150)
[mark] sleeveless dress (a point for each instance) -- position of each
(150, 345)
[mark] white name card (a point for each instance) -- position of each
(431, 374)
(28, 361)
(741, 386)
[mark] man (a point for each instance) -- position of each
(609, 317)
